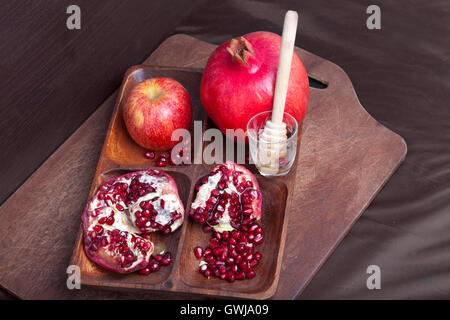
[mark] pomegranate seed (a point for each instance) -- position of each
(230, 277)
(206, 228)
(244, 266)
(198, 252)
(98, 229)
(258, 239)
(154, 266)
(150, 155)
(217, 251)
(222, 269)
(240, 276)
(257, 256)
(253, 263)
(236, 235)
(144, 271)
(213, 243)
(203, 268)
(166, 260)
(161, 162)
(110, 220)
(250, 274)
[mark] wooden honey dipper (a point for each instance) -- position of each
(272, 144)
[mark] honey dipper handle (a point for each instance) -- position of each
(284, 65)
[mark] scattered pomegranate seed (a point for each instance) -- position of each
(206, 228)
(198, 252)
(144, 271)
(150, 155)
(166, 259)
(161, 161)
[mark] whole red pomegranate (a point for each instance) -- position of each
(154, 109)
(239, 81)
(118, 218)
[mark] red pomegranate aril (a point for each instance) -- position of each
(217, 251)
(207, 252)
(244, 266)
(98, 229)
(253, 263)
(236, 235)
(257, 256)
(166, 259)
(258, 239)
(161, 162)
(198, 252)
(102, 220)
(240, 276)
(144, 271)
(150, 155)
(154, 266)
(248, 257)
(250, 274)
(157, 257)
(202, 268)
(110, 220)
(213, 243)
(230, 277)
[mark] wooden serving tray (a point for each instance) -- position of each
(121, 154)
(346, 157)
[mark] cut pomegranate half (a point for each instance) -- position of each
(227, 198)
(118, 218)
(229, 201)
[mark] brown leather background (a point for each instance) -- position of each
(401, 75)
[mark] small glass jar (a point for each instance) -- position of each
(272, 158)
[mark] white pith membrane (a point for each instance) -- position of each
(123, 225)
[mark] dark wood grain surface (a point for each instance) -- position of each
(53, 78)
(345, 159)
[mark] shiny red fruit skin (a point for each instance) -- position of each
(151, 121)
(232, 92)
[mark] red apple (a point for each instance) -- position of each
(154, 109)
